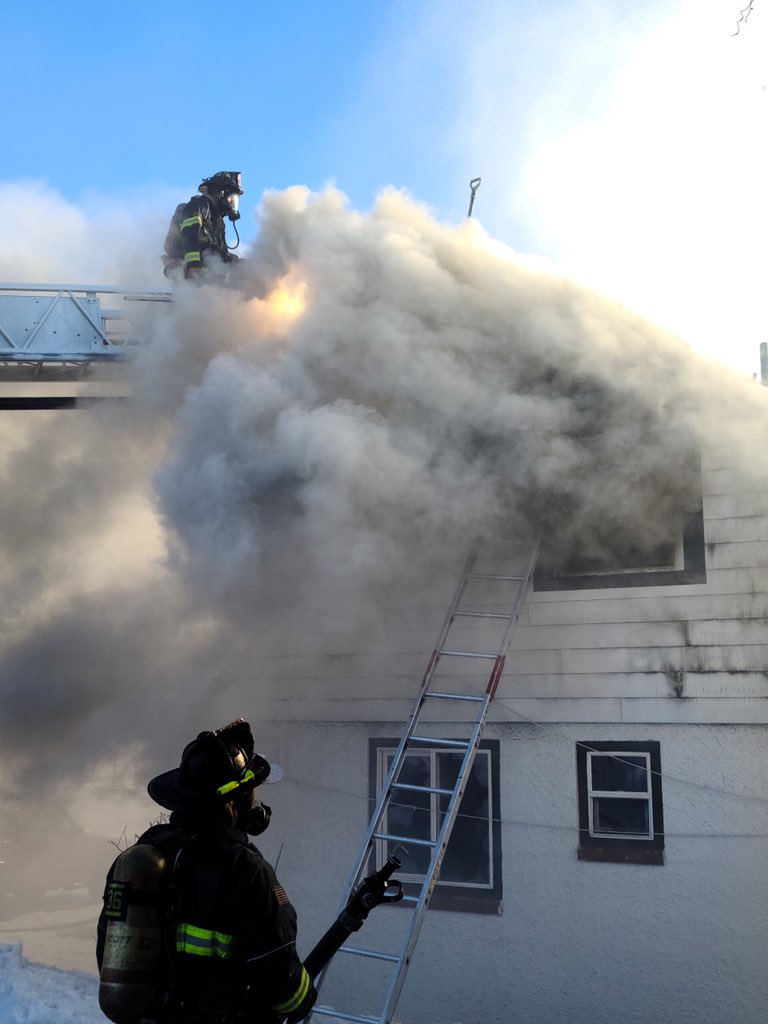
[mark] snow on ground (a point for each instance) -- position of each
(62, 934)
(33, 993)
(32, 989)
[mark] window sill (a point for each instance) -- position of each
(448, 898)
(622, 855)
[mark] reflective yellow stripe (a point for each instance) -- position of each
(298, 996)
(191, 221)
(192, 257)
(229, 786)
(202, 941)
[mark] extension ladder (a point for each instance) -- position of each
(485, 602)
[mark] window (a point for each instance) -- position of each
(470, 876)
(612, 560)
(620, 810)
(680, 560)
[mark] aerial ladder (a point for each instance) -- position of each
(477, 630)
(63, 341)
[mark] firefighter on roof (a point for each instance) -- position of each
(196, 928)
(197, 230)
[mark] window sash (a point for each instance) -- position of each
(433, 813)
(595, 795)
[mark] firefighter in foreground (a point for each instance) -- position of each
(197, 232)
(196, 928)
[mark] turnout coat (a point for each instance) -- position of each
(231, 931)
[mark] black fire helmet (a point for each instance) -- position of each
(223, 181)
(214, 767)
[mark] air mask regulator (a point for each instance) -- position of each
(233, 202)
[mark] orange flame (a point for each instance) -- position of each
(282, 307)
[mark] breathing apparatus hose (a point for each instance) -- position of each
(237, 236)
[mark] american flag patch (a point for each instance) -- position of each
(280, 896)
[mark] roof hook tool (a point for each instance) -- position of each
(474, 185)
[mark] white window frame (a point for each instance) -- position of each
(384, 847)
(676, 565)
(595, 794)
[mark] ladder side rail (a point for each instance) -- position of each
(440, 845)
(455, 602)
(399, 758)
(433, 871)
(420, 904)
(520, 597)
(451, 812)
(512, 616)
(368, 844)
(398, 761)
(150, 294)
(385, 794)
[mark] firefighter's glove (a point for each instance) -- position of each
(193, 273)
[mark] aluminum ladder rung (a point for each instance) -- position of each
(482, 615)
(403, 839)
(468, 654)
(453, 696)
(422, 789)
(493, 576)
(458, 744)
(326, 1011)
(370, 953)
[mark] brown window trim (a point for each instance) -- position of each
(620, 851)
(611, 855)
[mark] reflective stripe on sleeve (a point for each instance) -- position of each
(192, 221)
(298, 997)
(202, 941)
(192, 257)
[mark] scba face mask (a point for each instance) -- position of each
(256, 820)
(231, 204)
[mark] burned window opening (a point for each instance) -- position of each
(679, 559)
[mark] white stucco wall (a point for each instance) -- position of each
(576, 942)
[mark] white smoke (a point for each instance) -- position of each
(361, 398)
(49, 240)
(435, 388)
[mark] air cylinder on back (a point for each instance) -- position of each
(135, 960)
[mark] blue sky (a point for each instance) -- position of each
(362, 93)
(623, 142)
(118, 97)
